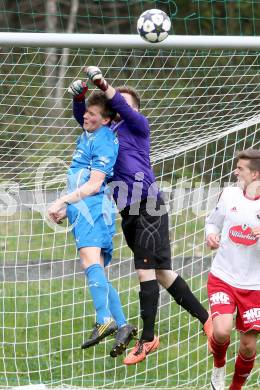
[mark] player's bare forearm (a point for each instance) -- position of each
(91, 187)
(87, 189)
(56, 210)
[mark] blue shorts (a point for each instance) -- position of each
(93, 221)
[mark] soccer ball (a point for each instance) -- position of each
(153, 25)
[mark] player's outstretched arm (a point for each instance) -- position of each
(56, 211)
(214, 223)
(136, 121)
(78, 90)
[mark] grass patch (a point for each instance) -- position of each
(44, 324)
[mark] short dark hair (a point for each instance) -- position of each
(132, 92)
(98, 98)
(253, 156)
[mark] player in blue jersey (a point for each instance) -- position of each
(144, 216)
(88, 207)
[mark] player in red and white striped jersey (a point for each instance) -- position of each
(233, 228)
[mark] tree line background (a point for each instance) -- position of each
(228, 17)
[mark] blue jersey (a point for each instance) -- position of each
(133, 162)
(95, 151)
(92, 218)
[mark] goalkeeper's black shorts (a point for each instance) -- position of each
(147, 235)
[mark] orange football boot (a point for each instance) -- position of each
(141, 350)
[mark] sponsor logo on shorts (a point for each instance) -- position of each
(242, 235)
(251, 315)
(219, 298)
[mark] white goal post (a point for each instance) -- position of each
(201, 96)
(128, 41)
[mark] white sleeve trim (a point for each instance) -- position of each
(99, 170)
(211, 229)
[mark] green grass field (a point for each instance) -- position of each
(44, 322)
(25, 237)
(43, 326)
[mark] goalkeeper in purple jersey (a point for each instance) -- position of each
(144, 215)
(88, 207)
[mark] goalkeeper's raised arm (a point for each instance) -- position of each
(78, 90)
(124, 100)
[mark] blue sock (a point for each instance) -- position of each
(115, 306)
(97, 283)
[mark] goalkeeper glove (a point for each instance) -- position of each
(94, 74)
(78, 89)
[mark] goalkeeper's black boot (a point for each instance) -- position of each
(123, 337)
(99, 332)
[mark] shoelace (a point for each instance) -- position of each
(140, 347)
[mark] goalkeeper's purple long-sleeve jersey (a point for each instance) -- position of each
(133, 177)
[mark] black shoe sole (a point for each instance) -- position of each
(89, 344)
(121, 347)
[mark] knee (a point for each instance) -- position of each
(247, 351)
(145, 275)
(247, 348)
(166, 277)
(222, 335)
(222, 327)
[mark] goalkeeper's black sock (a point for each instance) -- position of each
(148, 296)
(182, 294)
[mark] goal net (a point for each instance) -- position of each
(203, 106)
